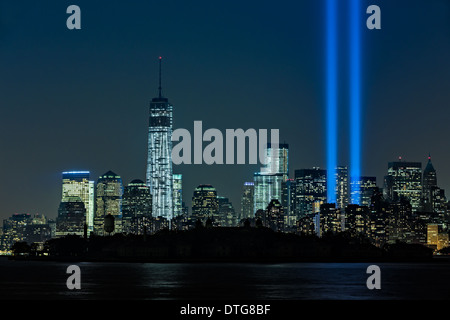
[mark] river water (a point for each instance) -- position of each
(219, 281)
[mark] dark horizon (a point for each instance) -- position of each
(78, 99)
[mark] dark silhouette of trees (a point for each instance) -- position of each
(20, 248)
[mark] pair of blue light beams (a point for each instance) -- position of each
(332, 97)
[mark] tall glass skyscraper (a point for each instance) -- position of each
(77, 184)
(159, 160)
(363, 190)
(247, 200)
(177, 194)
(404, 179)
(136, 208)
(205, 204)
(268, 182)
(277, 160)
(108, 201)
(342, 185)
(311, 190)
(268, 187)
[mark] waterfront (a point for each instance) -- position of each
(221, 281)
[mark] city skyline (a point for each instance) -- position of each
(123, 150)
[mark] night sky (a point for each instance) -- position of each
(78, 99)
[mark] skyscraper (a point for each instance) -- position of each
(227, 215)
(311, 190)
(159, 160)
(330, 219)
(277, 160)
(177, 195)
(205, 204)
(71, 217)
(342, 185)
(268, 182)
(404, 180)
(433, 197)
(363, 190)
(136, 207)
(247, 200)
(288, 191)
(137, 199)
(108, 201)
(275, 216)
(267, 188)
(77, 184)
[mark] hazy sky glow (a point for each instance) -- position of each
(78, 99)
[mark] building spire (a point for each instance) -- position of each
(159, 88)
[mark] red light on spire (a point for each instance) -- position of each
(160, 57)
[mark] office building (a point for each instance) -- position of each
(311, 190)
(227, 214)
(77, 184)
(205, 204)
(159, 160)
(247, 199)
(342, 187)
(268, 182)
(108, 202)
(404, 180)
(365, 188)
(177, 194)
(71, 217)
(136, 207)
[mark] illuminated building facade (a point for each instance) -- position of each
(227, 214)
(177, 195)
(108, 201)
(432, 235)
(357, 219)
(205, 204)
(136, 207)
(311, 190)
(71, 217)
(331, 219)
(159, 160)
(404, 180)
(77, 184)
(288, 201)
(267, 188)
(247, 199)
(275, 216)
(277, 160)
(268, 182)
(363, 190)
(429, 183)
(433, 197)
(342, 185)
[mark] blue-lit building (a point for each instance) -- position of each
(159, 159)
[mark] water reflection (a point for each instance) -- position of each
(47, 280)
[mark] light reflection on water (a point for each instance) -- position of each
(295, 281)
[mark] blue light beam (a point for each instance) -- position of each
(355, 99)
(331, 100)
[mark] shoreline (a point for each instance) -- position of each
(229, 261)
